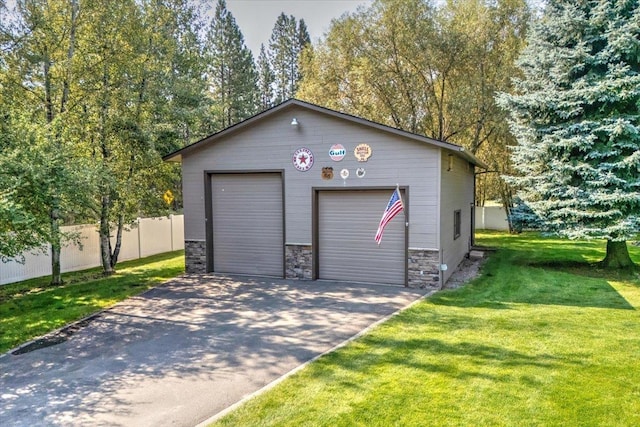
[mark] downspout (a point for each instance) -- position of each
(473, 209)
(439, 222)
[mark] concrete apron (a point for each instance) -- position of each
(182, 352)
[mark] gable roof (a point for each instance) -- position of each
(176, 156)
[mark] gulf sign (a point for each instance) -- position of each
(337, 152)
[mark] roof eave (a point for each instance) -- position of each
(471, 158)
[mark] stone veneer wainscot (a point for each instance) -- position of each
(298, 260)
(195, 256)
(424, 269)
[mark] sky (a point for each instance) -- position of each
(257, 17)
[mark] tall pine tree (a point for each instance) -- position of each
(287, 41)
(576, 116)
(266, 80)
(232, 75)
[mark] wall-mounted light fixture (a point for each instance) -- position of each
(450, 165)
(294, 122)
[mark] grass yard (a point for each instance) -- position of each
(542, 338)
(32, 308)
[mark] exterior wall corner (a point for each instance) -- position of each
(424, 269)
(195, 256)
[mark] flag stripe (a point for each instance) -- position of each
(394, 207)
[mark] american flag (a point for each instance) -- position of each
(394, 207)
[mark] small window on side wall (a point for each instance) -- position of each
(457, 221)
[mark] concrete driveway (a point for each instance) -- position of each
(186, 350)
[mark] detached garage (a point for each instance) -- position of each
(298, 191)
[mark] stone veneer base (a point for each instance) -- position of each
(424, 269)
(423, 265)
(298, 261)
(195, 256)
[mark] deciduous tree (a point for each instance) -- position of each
(92, 93)
(425, 67)
(143, 57)
(39, 167)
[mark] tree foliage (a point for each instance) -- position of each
(266, 80)
(425, 67)
(38, 164)
(288, 39)
(231, 71)
(576, 115)
(93, 94)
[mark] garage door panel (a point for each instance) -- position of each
(247, 223)
(347, 223)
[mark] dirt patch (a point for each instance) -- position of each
(56, 337)
(468, 270)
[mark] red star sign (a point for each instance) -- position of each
(302, 159)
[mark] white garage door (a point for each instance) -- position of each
(347, 224)
(247, 211)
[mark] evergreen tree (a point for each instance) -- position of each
(303, 35)
(304, 44)
(576, 116)
(185, 116)
(285, 46)
(266, 80)
(232, 75)
(280, 48)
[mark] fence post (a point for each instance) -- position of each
(171, 231)
(139, 239)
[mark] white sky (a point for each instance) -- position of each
(257, 17)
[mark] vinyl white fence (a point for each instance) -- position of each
(491, 218)
(149, 236)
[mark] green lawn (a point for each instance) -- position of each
(542, 338)
(31, 308)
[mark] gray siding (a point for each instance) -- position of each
(270, 144)
(456, 194)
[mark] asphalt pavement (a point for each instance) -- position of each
(184, 351)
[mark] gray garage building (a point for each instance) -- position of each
(297, 191)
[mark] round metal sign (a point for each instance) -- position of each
(302, 159)
(337, 152)
(362, 152)
(344, 173)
